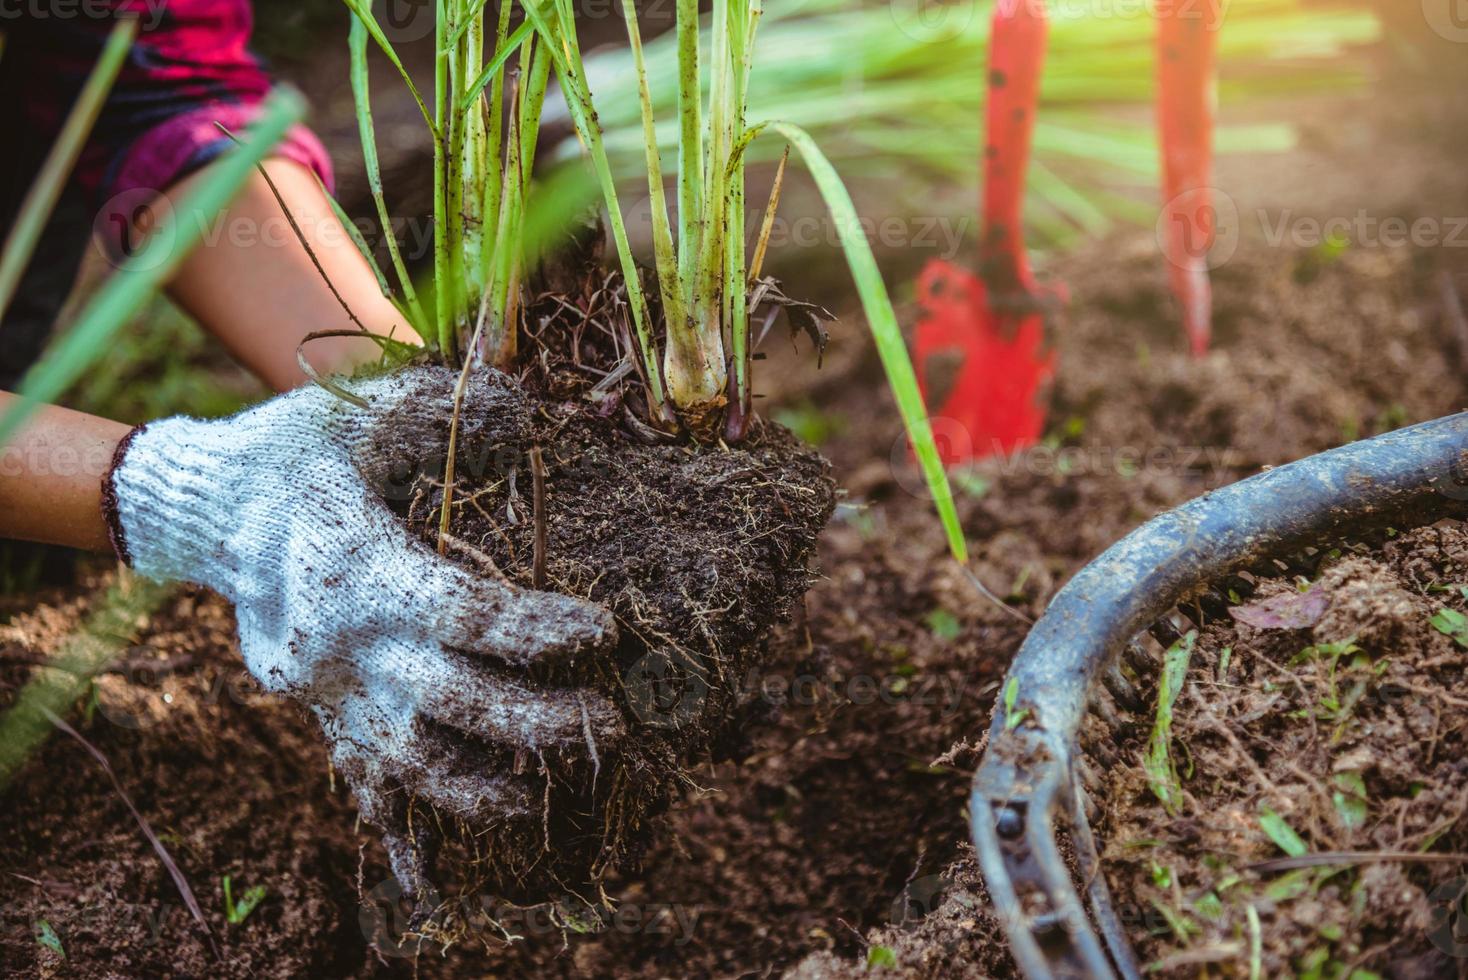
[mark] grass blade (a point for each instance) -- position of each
(103, 635)
(362, 98)
(466, 101)
(169, 864)
(128, 291)
(1278, 830)
(363, 15)
(443, 290)
(767, 225)
(882, 320)
(1158, 762)
(40, 200)
(674, 308)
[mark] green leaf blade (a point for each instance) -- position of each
(1157, 762)
(1278, 830)
(882, 321)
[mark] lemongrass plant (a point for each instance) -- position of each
(484, 123)
(700, 377)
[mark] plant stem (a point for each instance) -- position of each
(675, 311)
(442, 148)
(361, 95)
(560, 43)
(457, 143)
(476, 154)
(690, 147)
(736, 297)
(694, 360)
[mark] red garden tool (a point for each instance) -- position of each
(1187, 53)
(993, 321)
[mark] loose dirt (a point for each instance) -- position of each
(1333, 727)
(821, 848)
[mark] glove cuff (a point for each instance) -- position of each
(110, 516)
(161, 500)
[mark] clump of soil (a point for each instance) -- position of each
(1329, 738)
(698, 551)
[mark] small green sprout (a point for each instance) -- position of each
(1450, 622)
(1012, 718)
(1158, 763)
(881, 958)
(46, 936)
(237, 912)
(1283, 835)
(944, 625)
(1181, 925)
(1350, 799)
(1209, 906)
(1225, 656)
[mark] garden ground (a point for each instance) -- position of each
(824, 846)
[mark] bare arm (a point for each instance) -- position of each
(256, 289)
(51, 477)
(258, 292)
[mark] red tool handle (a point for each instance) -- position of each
(1187, 55)
(1016, 56)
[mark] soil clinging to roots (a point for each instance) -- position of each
(698, 551)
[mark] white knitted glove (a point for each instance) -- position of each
(418, 670)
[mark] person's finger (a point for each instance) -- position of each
(496, 709)
(517, 626)
(468, 782)
(384, 802)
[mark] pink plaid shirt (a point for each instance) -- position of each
(189, 68)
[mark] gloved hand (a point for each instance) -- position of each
(418, 670)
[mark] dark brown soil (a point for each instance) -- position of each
(820, 849)
(1335, 724)
(838, 828)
